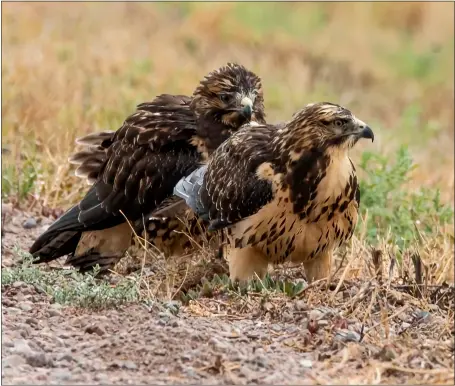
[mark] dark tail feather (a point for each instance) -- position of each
(60, 238)
(51, 246)
(87, 261)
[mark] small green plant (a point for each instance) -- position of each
(71, 287)
(19, 182)
(393, 209)
(268, 284)
(223, 284)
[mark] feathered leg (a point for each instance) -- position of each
(319, 268)
(244, 263)
(104, 247)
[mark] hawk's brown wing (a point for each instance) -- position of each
(162, 113)
(231, 189)
(143, 161)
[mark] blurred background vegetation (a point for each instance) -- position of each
(72, 68)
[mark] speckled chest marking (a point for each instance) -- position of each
(321, 225)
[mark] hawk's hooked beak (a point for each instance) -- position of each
(364, 130)
(247, 107)
(367, 133)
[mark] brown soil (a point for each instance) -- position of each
(365, 333)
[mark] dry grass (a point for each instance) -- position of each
(72, 68)
(369, 330)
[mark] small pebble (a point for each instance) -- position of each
(65, 335)
(252, 335)
(165, 315)
(55, 306)
(267, 306)
(287, 316)
(42, 377)
(307, 363)
(404, 317)
(94, 330)
(62, 374)
(8, 302)
(30, 223)
(25, 331)
(13, 360)
(31, 321)
(275, 327)
(272, 379)
(7, 262)
(347, 335)
(38, 360)
(313, 324)
(323, 323)
(315, 315)
(22, 347)
(7, 341)
(189, 371)
(186, 357)
(18, 284)
(28, 290)
(160, 352)
(422, 316)
(386, 353)
(236, 356)
(130, 365)
(101, 377)
(64, 357)
(54, 313)
(260, 360)
(247, 373)
(173, 306)
(218, 344)
(26, 306)
(38, 289)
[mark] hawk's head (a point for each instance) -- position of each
(325, 125)
(231, 95)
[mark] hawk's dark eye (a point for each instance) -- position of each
(339, 123)
(225, 98)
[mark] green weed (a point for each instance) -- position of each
(69, 287)
(19, 182)
(391, 208)
(223, 284)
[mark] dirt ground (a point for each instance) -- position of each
(308, 339)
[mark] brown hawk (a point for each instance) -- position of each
(133, 170)
(283, 192)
